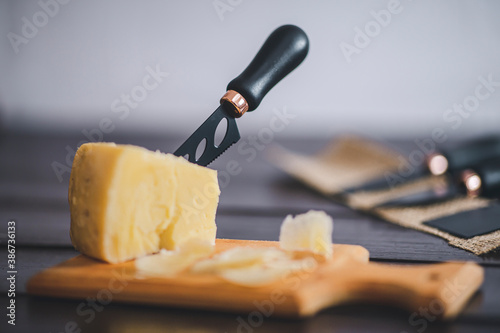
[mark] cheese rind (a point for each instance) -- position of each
(126, 201)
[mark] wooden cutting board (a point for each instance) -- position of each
(444, 288)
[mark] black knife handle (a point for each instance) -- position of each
(472, 153)
(489, 173)
(281, 53)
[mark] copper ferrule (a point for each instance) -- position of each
(437, 164)
(472, 182)
(238, 102)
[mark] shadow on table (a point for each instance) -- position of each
(56, 315)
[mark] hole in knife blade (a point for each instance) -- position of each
(186, 157)
(220, 132)
(200, 149)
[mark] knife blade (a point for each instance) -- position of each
(480, 180)
(282, 52)
(444, 161)
(207, 132)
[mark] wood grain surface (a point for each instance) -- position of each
(346, 278)
(252, 206)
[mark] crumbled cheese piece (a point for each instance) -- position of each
(311, 231)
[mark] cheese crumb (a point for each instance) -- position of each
(311, 231)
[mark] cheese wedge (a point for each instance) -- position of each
(126, 201)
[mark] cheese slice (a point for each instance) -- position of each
(305, 241)
(126, 201)
(266, 273)
(252, 267)
(239, 257)
(168, 263)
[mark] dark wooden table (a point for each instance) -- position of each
(252, 206)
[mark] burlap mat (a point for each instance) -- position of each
(345, 163)
(368, 199)
(413, 217)
(350, 162)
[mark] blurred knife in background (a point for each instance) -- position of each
(483, 179)
(445, 161)
(466, 155)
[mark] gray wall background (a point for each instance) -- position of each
(427, 58)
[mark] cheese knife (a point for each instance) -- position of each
(444, 161)
(482, 179)
(282, 52)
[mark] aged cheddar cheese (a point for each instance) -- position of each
(126, 201)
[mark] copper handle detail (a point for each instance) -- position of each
(239, 102)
